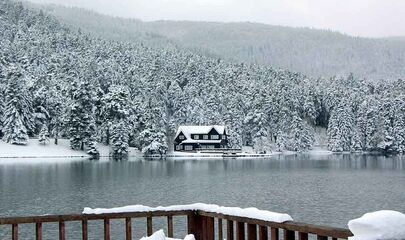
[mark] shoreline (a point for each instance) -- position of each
(34, 150)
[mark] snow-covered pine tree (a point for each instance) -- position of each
(119, 140)
(1, 109)
(82, 129)
(17, 109)
(116, 111)
(43, 137)
(399, 125)
(340, 128)
(374, 131)
(300, 135)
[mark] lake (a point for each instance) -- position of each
(327, 190)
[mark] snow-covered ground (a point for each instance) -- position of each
(35, 150)
(234, 211)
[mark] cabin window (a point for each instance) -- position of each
(215, 137)
(196, 137)
(210, 146)
(188, 148)
(178, 147)
(205, 137)
(224, 136)
(181, 137)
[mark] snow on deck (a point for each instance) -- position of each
(160, 235)
(234, 211)
(380, 225)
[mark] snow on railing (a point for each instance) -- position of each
(234, 211)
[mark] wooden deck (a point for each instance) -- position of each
(224, 151)
(204, 226)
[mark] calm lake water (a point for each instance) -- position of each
(327, 190)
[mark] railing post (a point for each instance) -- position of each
(84, 230)
(229, 230)
(289, 235)
(220, 228)
(149, 226)
(263, 233)
(209, 228)
(128, 229)
(252, 231)
(275, 234)
(38, 231)
(302, 236)
(195, 225)
(170, 226)
(61, 230)
(106, 229)
(240, 231)
(14, 231)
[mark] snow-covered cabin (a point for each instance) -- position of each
(191, 138)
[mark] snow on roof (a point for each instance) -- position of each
(200, 141)
(234, 211)
(188, 130)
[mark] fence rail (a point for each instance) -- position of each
(200, 223)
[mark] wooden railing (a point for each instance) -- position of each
(200, 223)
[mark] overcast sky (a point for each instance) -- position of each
(368, 18)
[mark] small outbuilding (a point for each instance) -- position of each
(194, 138)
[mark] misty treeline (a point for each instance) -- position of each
(90, 90)
(310, 51)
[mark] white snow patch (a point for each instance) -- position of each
(160, 235)
(234, 211)
(380, 225)
(36, 150)
(188, 130)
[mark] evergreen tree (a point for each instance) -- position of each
(119, 140)
(116, 112)
(44, 135)
(340, 128)
(17, 110)
(82, 129)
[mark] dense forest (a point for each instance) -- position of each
(62, 82)
(318, 53)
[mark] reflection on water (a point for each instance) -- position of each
(327, 190)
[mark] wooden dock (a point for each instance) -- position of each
(204, 225)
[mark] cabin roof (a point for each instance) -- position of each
(200, 141)
(188, 130)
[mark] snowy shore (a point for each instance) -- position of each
(35, 150)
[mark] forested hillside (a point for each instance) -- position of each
(93, 90)
(309, 51)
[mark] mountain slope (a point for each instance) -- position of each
(310, 51)
(91, 89)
